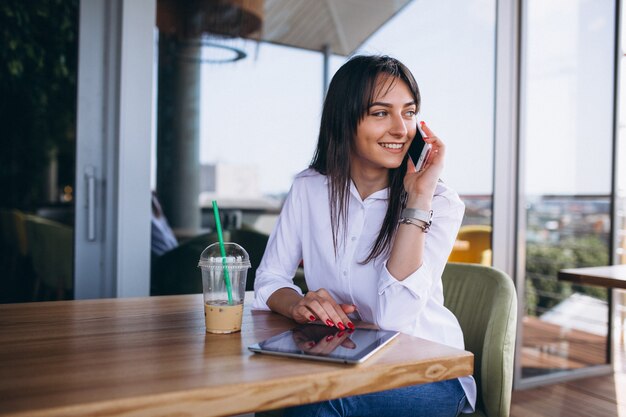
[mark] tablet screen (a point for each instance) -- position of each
(320, 342)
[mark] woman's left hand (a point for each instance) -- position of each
(420, 185)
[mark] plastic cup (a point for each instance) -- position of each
(223, 311)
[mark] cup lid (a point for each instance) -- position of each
(236, 257)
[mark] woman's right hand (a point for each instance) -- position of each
(422, 184)
(319, 305)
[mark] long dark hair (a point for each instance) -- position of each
(350, 94)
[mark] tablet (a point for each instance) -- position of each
(323, 343)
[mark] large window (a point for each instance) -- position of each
(450, 48)
(266, 108)
(567, 136)
(239, 130)
(260, 116)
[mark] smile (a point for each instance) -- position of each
(392, 145)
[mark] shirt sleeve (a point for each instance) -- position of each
(396, 297)
(282, 254)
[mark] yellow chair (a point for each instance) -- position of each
(473, 245)
(16, 282)
(51, 246)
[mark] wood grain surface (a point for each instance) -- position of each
(151, 356)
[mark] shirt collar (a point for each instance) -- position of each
(378, 195)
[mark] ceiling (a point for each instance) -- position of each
(343, 25)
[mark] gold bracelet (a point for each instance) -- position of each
(425, 226)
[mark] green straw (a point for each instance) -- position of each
(218, 226)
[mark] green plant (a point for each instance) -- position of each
(543, 261)
(38, 61)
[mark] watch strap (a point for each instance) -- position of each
(424, 215)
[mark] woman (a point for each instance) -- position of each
(360, 219)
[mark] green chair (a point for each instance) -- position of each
(484, 301)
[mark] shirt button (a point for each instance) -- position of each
(345, 273)
(353, 238)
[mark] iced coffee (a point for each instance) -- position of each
(221, 317)
(224, 286)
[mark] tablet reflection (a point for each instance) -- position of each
(321, 340)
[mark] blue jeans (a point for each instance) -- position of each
(437, 399)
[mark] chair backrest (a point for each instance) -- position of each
(473, 245)
(19, 221)
(51, 247)
(6, 231)
(254, 243)
(176, 271)
(485, 303)
(13, 231)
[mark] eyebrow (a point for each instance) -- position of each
(383, 104)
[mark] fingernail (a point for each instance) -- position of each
(422, 123)
(329, 337)
(329, 323)
(312, 317)
(341, 333)
(350, 325)
(311, 344)
(340, 326)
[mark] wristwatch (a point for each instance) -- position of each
(422, 215)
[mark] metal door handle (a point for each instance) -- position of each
(90, 179)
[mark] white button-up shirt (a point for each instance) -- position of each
(413, 305)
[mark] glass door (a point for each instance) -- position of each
(458, 100)
(74, 170)
(567, 135)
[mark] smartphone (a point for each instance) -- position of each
(419, 150)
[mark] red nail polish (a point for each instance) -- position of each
(341, 333)
(329, 337)
(312, 317)
(422, 123)
(350, 325)
(329, 323)
(311, 344)
(340, 326)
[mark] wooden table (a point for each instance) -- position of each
(613, 276)
(152, 357)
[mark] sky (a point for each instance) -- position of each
(567, 102)
(263, 111)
